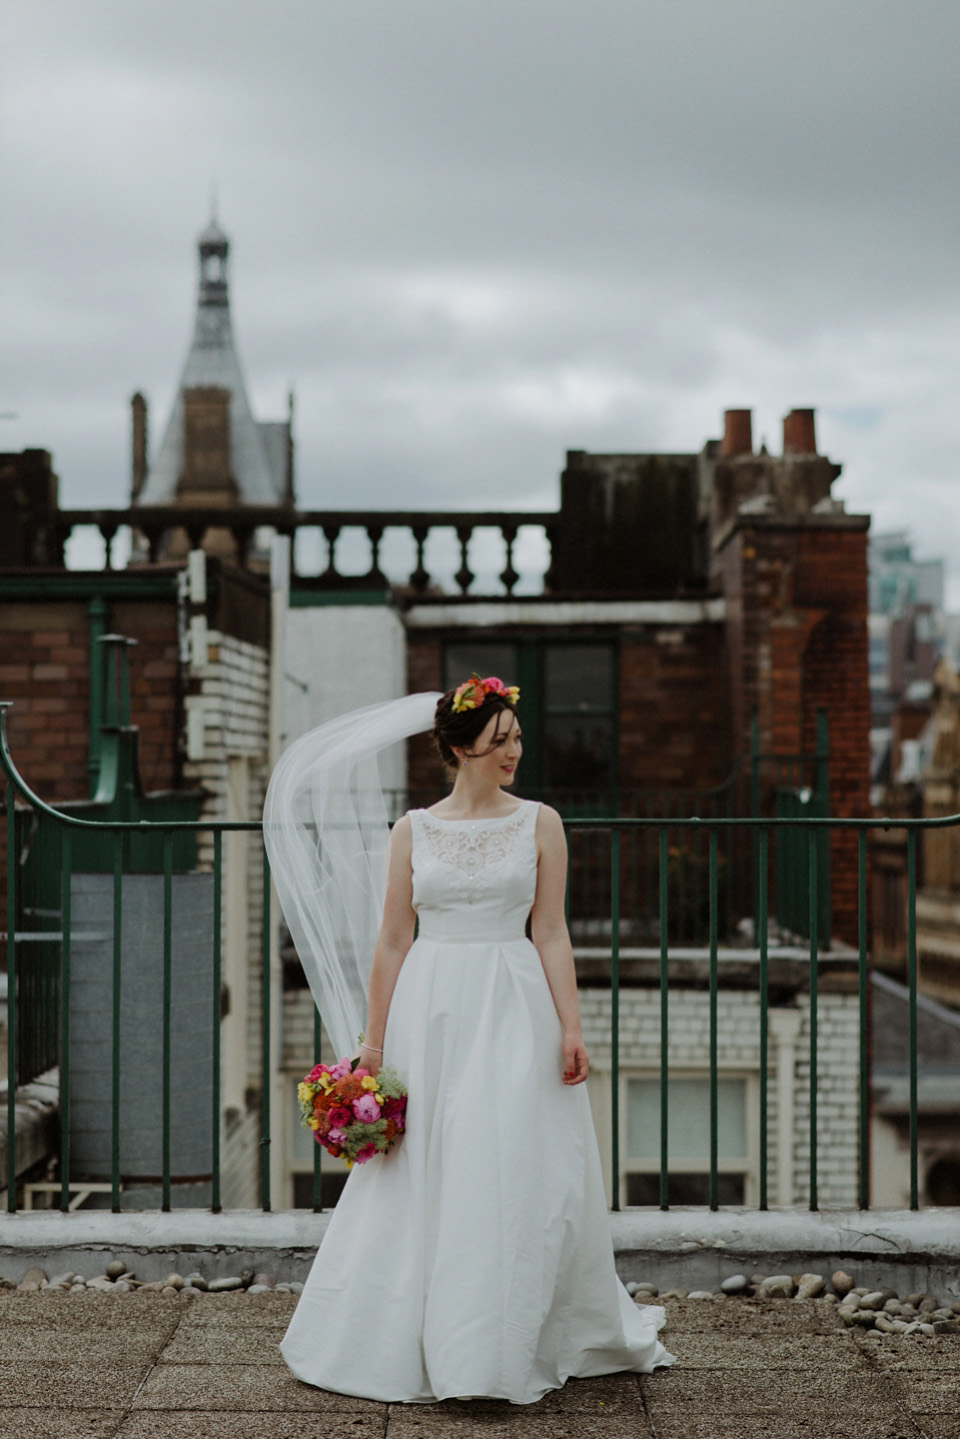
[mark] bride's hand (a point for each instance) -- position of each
(370, 1059)
(576, 1061)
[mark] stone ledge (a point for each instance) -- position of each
(688, 1247)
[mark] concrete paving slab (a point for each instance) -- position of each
(814, 1426)
(935, 1355)
(184, 1424)
(936, 1426)
(604, 1396)
(22, 1343)
(521, 1423)
(65, 1424)
(92, 1311)
(260, 1388)
(239, 1311)
(97, 1384)
(213, 1345)
(742, 1316)
(928, 1393)
(776, 1391)
(731, 1351)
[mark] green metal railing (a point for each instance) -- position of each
(616, 833)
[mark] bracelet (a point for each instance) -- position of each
(371, 1046)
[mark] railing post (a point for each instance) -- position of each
(813, 866)
(215, 1007)
(317, 1147)
(115, 1029)
(754, 807)
(864, 996)
(265, 1077)
(167, 997)
(615, 1010)
(11, 1000)
(714, 1097)
(664, 1025)
(762, 840)
(912, 981)
(66, 924)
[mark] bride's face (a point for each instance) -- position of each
(497, 749)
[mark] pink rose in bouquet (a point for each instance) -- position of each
(366, 1108)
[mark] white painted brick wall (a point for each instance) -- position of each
(738, 1048)
(234, 697)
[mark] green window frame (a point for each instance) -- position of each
(568, 708)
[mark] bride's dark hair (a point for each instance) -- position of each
(462, 728)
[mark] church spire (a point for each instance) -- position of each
(214, 248)
(213, 450)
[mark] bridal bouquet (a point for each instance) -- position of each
(353, 1113)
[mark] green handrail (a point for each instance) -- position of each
(818, 829)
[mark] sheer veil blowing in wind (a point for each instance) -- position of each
(326, 831)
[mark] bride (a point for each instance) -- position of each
(474, 1259)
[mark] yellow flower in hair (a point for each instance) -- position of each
(468, 696)
(513, 694)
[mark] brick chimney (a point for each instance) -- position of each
(138, 467)
(799, 433)
(737, 433)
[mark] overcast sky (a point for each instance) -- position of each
(473, 234)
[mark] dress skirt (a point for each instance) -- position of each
(474, 1259)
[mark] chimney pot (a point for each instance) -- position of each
(799, 433)
(737, 432)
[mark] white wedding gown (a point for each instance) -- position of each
(475, 1258)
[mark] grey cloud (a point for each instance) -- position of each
(476, 235)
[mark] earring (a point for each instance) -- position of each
(465, 763)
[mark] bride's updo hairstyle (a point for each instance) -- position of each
(463, 714)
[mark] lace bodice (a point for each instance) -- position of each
(474, 879)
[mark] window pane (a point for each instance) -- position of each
(465, 658)
(579, 677)
(578, 752)
(331, 1187)
(689, 1119)
(685, 1189)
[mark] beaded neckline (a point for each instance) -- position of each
(493, 819)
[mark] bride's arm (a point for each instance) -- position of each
(393, 941)
(552, 940)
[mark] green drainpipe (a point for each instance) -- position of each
(97, 612)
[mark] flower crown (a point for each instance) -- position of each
(472, 693)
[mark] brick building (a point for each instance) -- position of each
(693, 605)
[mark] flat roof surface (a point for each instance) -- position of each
(146, 1366)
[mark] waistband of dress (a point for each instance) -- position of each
(440, 937)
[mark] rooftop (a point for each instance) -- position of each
(147, 1366)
